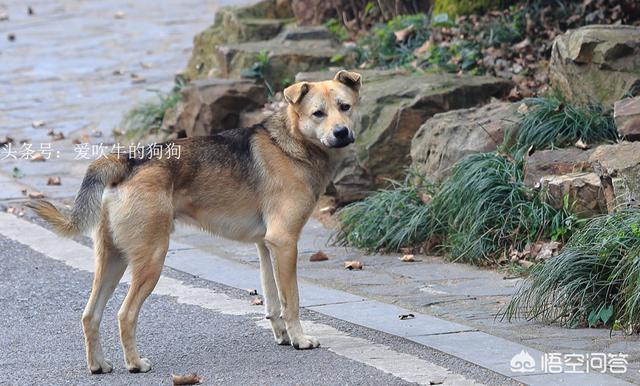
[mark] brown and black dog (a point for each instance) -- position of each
(256, 185)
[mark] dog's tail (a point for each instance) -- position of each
(86, 208)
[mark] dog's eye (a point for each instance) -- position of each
(344, 107)
(318, 113)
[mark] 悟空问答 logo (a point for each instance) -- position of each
(523, 362)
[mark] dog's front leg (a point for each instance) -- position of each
(284, 250)
(271, 300)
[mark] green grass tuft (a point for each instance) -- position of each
(484, 208)
(552, 122)
(146, 118)
(387, 220)
(594, 280)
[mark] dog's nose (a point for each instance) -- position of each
(341, 132)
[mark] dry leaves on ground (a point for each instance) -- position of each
(54, 181)
(189, 379)
(351, 265)
(15, 211)
(33, 194)
(407, 258)
(38, 123)
(256, 301)
(319, 256)
(38, 157)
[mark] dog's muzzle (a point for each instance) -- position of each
(339, 137)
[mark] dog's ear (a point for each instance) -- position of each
(350, 79)
(294, 93)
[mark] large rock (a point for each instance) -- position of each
(294, 50)
(567, 172)
(261, 21)
(393, 106)
(213, 105)
(597, 61)
(582, 190)
(448, 137)
(556, 162)
(618, 167)
(627, 116)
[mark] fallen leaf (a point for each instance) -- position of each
(119, 15)
(319, 256)
(406, 316)
(135, 78)
(523, 108)
(11, 37)
(38, 123)
(256, 302)
(351, 265)
(327, 209)
(38, 157)
(30, 11)
(252, 291)
(145, 65)
(118, 72)
(96, 133)
(404, 33)
(5, 141)
(15, 211)
(423, 48)
(189, 379)
(580, 144)
(54, 181)
(35, 195)
(408, 258)
(56, 136)
(4, 15)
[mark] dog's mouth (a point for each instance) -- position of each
(332, 142)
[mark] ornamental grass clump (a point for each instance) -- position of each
(388, 219)
(595, 280)
(553, 122)
(484, 209)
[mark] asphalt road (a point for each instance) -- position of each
(41, 336)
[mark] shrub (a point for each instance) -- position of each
(387, 220)
(594, 280)
(379, 47)
(554, 122)
(484, 209)
(146, 118)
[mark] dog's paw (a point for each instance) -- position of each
(101, 367)
(142, 365)
(280, 332)
(305, 342)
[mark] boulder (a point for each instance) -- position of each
(626, 113)
(261, 21)
(556, 162)
(295, 49)
(583, 191)
(597, 61)
(448, 137)
(213, 105)
(618, 167)
(393, 106)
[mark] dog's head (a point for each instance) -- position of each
(324, 110)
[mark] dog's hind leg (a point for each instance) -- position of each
(271, 301)
(110, 267)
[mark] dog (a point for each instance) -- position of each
(257, 185)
